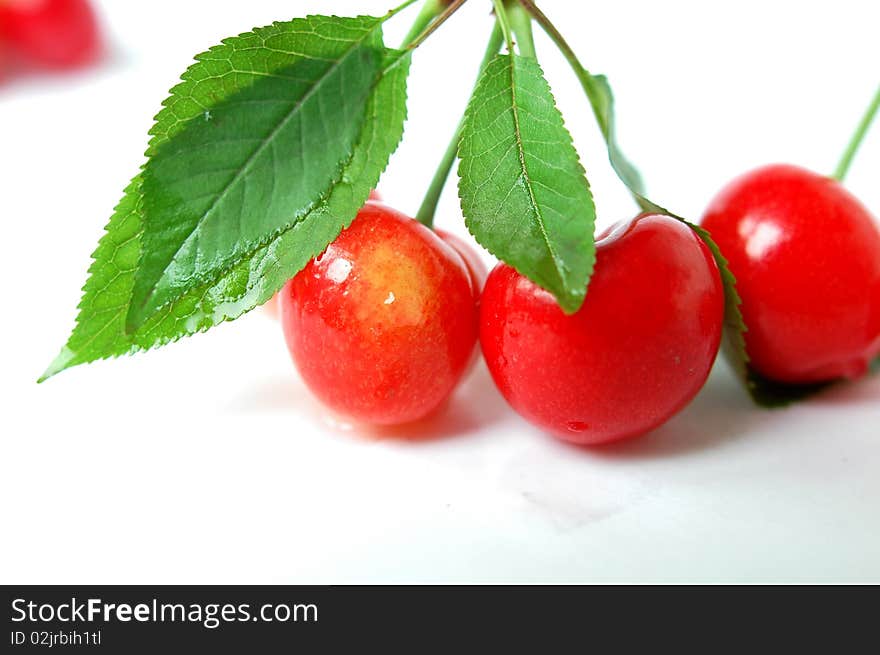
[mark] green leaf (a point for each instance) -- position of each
(100, 331)
(251, 140)
(523, 191)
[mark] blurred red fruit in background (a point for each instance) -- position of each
(58, 34)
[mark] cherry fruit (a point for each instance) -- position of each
(806, 256)
(383, 324)
(52, 33)
(637, 351)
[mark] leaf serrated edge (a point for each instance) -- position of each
(62, 361)
(520, 153)
(316, 206)
(591, 259)
(201, 57)
(371, 24)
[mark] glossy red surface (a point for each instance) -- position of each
(806, 255)
(53, 33)
(383, 324)
(637, 351)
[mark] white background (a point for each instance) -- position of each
(208, 462)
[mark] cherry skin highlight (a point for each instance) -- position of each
(272, 307)
(806, 256)
(476, 268)
(52, 33)
(383, 324)
(637, 351)
(475, 265)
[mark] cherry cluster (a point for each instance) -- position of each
(53, 34)
(385, 323)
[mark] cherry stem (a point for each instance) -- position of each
(428, 209)
(434, 13)
(429, 11)
(857, 138)
(504, 22)
(521, 24)
(391, 12)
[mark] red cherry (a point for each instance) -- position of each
(637, 351)
(383, 324)
(806, 256)
(53, 33)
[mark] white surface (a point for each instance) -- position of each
(208, 461)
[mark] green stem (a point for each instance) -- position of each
(430, 10)
(433, 14)
(504, 23)
(428, 208)
(857, 138)
(437, 12)
(521, 24)
(393, 12)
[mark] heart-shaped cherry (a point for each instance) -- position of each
(637, 351)
(383, 324)
(806, 256)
